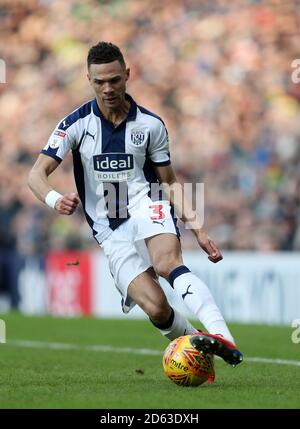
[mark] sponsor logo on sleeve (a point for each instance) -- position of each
(57, 138)
(60, 133)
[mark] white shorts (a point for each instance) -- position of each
(126, 249)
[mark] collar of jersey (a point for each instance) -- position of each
(131, 114)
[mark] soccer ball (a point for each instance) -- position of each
(185, 365)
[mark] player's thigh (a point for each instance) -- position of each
(124, 260)
(147, 293)
(165, 253)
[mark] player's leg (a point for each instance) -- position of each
(165, 253)
(138, 284)
(148, 294)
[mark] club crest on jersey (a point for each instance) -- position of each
(137, 136)
(113, 167)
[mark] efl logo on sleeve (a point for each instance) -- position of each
(114, 167)
(59, 133)
(57, 138)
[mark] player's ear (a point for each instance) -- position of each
(127, 74)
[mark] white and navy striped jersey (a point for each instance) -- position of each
(109, 159)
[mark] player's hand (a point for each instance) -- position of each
(207, 244)
(67, 204)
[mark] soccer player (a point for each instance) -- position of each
(120, 151)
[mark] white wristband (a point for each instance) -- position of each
(51, 198)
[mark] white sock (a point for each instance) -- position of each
(180, 326)
(198, 298)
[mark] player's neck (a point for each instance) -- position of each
(117, 115)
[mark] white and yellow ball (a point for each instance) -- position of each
(185, 365)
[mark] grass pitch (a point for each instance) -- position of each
(90, 363)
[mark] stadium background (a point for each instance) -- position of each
(219, 73)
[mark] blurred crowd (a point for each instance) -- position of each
(219, 72)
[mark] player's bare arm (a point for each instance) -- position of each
(182, 207)
(40, 186)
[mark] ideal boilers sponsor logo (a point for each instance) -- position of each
(113, 167)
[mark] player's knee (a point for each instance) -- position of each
(164, 266)
(157, 309)
(159, 314)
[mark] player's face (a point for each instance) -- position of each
(109, 83)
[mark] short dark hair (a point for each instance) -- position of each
(103, 53)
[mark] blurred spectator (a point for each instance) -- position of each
(9, 258)
(218, 72)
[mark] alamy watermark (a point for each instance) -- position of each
(295, 76)
(187, 201)
(2, 71)
(295, 337)
(2, 332)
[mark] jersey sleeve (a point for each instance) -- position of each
(159, 145)
(59, 143)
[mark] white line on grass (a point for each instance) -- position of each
(103, 348)
(90, 348)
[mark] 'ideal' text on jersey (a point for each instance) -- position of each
(114, 167)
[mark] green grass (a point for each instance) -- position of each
(47, 378)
